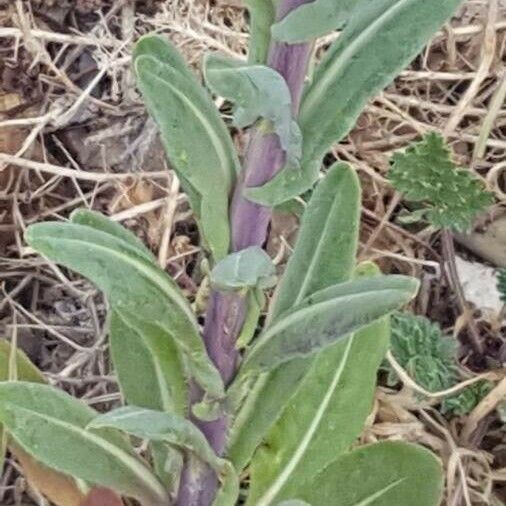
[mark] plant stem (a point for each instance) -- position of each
(249, 224)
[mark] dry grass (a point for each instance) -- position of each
(74, 133)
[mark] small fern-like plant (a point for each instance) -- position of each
(450, 197)
(429, 357)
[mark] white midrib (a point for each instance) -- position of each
(305, 441)
(216, 141)
(322, 85)
(315, 257)
(369, 500)
(147, 271)
(156, 490)
(192, 341)
(299, 315)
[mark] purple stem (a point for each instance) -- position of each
(249, 223)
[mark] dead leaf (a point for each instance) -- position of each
(100, 496)
(58, 488)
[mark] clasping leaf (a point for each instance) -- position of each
(314, 19)
(139, 292)
(259, 92)
(246, 269)
(174, 431)
(327, 316)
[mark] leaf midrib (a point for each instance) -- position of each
(322, 84)
(306, 439)
(215, 139)
(369, 500)
(315, 256)
(156, 278)
(130, 462)
(281, 325)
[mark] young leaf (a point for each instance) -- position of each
(382, 474)
(50, 426)
(149, 297)
(379, 40)
(196, 140)
(248, 268)
(326, 317)
(327, 243)
(172, 430)
(261, 14)
(314, 19)
(332, 403)
(426, 173)
(259, 92)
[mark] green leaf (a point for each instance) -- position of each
(327, 242)
(261, 14)
(196, 140)
(154, 425)
(249, 268)
(314, 19)
(382, 474)
(324, 255)
(172, 430)
(423, 351)
(331, 404)
(162, 384)
(255, 301)
(259, 92)
(163, 50)
(327, 316)
(149, 297)
(426, 173)
(50, 426)
(380, 39)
